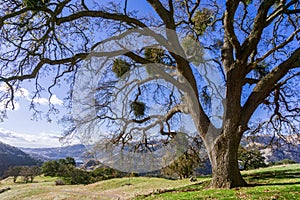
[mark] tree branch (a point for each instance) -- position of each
(282, 9)
(250, 44)
(163, 13)
(73, 60)
(101, 14)
(281, 45)
(268, 83)
(231, 7)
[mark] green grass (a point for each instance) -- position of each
(279, 182)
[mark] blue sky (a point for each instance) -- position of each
(19, 129)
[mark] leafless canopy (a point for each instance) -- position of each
(253, 44)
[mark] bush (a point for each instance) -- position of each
(50, 168)
(79, 176)
(69, 174)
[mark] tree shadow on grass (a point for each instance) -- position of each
(270, 184)
(276, 177)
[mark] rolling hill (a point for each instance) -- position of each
(279, 182)
(12, 156)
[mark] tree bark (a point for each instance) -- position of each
(224, 161)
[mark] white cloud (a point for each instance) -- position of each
(56, 101)
(22, 92)
(41, 100)
(6, 104)
(30, 140)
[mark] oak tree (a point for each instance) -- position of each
(253, 45)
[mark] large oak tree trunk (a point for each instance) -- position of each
(224, 161)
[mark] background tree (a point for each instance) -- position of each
(186, 164)
(253, 44)
(61, 167)
(79, 176)
(34, 171)
(50, 168)
(25, 173)
(13, 171)
(28, 173)
(250, 158)
(67, 161)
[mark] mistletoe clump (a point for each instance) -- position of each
(154, 54)
(138, 108)
(35, 3)
(261, 70)
(201, 20)
(193, 50)
(120, 67)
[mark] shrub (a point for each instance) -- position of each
(133, 174)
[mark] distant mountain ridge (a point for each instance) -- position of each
(78, 152)
(273, 148)
(13, 156)
(273, 153)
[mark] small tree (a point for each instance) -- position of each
(25, 173)
(33, 172)
(13, 171)
(66, 168)
(185, 165)
(250, 159)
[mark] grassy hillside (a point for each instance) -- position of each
(280, 182)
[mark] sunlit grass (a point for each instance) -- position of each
(279, 182)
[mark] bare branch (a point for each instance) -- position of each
(282, 45)
(101, 14)
(231, 7)
(250, 44)
(34, 73)
(268, 83)
(163, 13)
